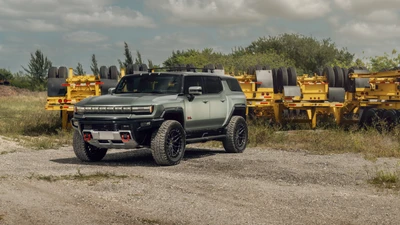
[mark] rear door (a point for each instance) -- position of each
(217, 101)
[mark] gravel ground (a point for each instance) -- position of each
(260, 186)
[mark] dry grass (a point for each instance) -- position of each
(371, 143)
(24, 118)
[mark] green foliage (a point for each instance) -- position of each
(385, 62)
(307, 53)
(128, 57)
(94, 67)
(21, 80)
(5, 74)
(237, 62)
(138, 59)
(79, 70)
(37, 70)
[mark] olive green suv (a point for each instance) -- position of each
(162, 111)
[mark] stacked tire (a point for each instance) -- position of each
(283, 77)
(55, 78)
(109, 77)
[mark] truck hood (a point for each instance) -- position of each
(127, 99)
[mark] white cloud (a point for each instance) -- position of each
(382, 16)
(367, 6)
(84, 37)
(370, 31)
(232, 12)
(207, 12)
(53, 15)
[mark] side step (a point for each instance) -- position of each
(204, 139)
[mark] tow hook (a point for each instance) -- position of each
(87, 137)
(125, 137)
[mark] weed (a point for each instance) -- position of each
(386, 179)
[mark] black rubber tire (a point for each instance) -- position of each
(319, 72)
(62, 72)
(191, 68)
(136, 68)
(161, 147)
(282, 72)
(266, 67)
(144, 67)
(218, 67)
(114, 74)
(292, 76)
(391, 118)
(277, 82)
(339, 82)
(129, 69)
(55, 88)
(330, 76)
(103, 72)
(259, 67)
(52, 72)
(86, 152)
(251, 70)
(346, 79)
(351, 85)
(372, 118)
(236, 135)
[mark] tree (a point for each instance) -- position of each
(128, 57)
(308, 53)
(79, 70)
(37, 70)
(139, 58)
(94, 67)
(151, 65)
(385, 62)
(5, 74)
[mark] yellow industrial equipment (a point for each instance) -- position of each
(66, 90)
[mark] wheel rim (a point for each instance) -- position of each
(174, 143)
(240, 136)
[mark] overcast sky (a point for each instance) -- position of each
(70, 31)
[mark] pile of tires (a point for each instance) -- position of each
(109, 77)
(133, 68)
(55, 78)
(339, 77)
(380, 119)
(282, 77)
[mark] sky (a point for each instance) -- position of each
(70, 31)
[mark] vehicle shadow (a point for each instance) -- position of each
(140, 157)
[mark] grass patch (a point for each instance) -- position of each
(98, 176)
(24, 118)
(386, 179)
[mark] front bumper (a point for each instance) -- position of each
(119, 134)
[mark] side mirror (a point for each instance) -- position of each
(195, 90)
(111, 91)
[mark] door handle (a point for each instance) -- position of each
(205, 101)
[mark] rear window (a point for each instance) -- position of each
(233, 85)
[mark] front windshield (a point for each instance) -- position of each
(153, 83)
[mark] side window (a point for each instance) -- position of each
(213, 84)
(191, 81)
(233, 85)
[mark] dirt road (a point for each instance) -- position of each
(260, 186)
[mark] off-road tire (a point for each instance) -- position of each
(236, 135)
(162, 148)
(86, 152)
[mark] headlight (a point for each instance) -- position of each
(144, 109)
(79, 109)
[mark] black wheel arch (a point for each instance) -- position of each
(175, 113)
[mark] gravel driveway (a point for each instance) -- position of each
(260, 186)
